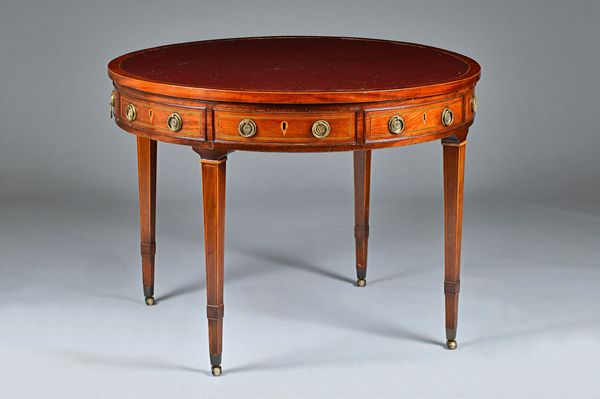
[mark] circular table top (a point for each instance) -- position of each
(294, 70)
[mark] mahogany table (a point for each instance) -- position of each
(293, 94)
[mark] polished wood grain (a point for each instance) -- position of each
(454, 172)
(290, 127)
(146, 152)
(153, 117)
(362, 194)
(419, 120)
(354, 126)
(285, 84)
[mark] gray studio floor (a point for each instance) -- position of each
(73, 323)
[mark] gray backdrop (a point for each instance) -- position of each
(72, 323)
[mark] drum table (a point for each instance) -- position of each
(293, 94)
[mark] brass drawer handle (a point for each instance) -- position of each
(247, 128)
(321, 129)
(396, 124)
(111, 108)
(447, 117)
(174, 122)
(130, 112)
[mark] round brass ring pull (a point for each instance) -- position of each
(447, 117)
(396, 124)
(247, 128)
(130, 113)
(111, 106)
(174, 122)
(321, 129)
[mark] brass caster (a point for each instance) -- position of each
(451, 344)
(150, 301)
(216, 370)
(361, 282)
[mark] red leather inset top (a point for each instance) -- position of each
(309, 64)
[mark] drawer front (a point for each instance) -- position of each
(285, 127)
(418, 120)
(157, 117)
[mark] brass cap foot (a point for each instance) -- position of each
(150, 301)
(361, 282)
(451, 344)
(216, 370)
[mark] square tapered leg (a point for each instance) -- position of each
(362, 182)
(146, 152)
(454, 171)
(213, 195)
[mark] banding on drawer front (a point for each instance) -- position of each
(164, 119)
(411, 121)
(285, 127)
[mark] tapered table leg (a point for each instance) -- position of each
(454, 170)
(146, 151)
(362, 182)
(213, 194)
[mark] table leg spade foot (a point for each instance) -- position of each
(361, 282)
(215, 368)
(451, 339)
(451, 344)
